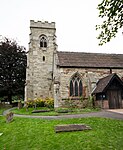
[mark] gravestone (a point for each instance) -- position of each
(19, 105)
(71, 127)
(9, 117)
(38, 111)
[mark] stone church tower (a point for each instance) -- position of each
(42, 46)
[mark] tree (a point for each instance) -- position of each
(12, 68)
(112, 13)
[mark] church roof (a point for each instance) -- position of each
(90, 60)
(105, 82)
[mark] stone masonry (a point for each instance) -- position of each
(40, 61)
(89, 76)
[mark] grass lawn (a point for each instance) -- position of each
(2, 109)
(39, 134)
(52, 112)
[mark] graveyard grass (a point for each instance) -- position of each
(39, 134)
(2, 109)
(52, 112)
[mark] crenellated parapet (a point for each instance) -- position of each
(41, 24)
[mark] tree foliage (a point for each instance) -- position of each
(12, 68)
(111, 11)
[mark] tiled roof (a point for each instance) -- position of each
(105, 82)
(96, 60)
(102, 83)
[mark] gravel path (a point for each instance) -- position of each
(103, 113)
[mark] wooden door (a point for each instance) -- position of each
(114, 97)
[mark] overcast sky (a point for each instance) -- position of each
(75, 23)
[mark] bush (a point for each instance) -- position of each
(29, 103)
(79, 102)
(90, 102)
(69, 103)
(39, 102)
(49, 102)
(17, 98)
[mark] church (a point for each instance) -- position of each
(71, 75)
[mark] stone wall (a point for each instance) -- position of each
(89, 76)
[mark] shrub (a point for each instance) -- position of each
(69, 103)
(49, 102)
(90, 102)
(79, 102)
(39, 102)
(29, 103)
(17, 98)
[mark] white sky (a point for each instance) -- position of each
(75, 23)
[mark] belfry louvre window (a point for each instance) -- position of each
(75, 86)
(43, 41)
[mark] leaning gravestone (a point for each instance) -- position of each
(71, 127)
(19, 105)
(9, 117)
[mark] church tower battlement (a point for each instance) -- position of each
(42, 46)
(41, 24)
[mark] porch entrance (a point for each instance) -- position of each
(110, 89)
(114, 97)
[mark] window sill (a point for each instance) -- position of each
(43, 48)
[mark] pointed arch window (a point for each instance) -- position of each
(43, 41)
(76, 86)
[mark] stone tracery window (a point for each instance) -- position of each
(43, 41)
(76, 86)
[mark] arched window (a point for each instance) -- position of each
(76, 86)
(43, 41)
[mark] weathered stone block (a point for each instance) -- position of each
(9, 117)
(71, 127)
(38, 111)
